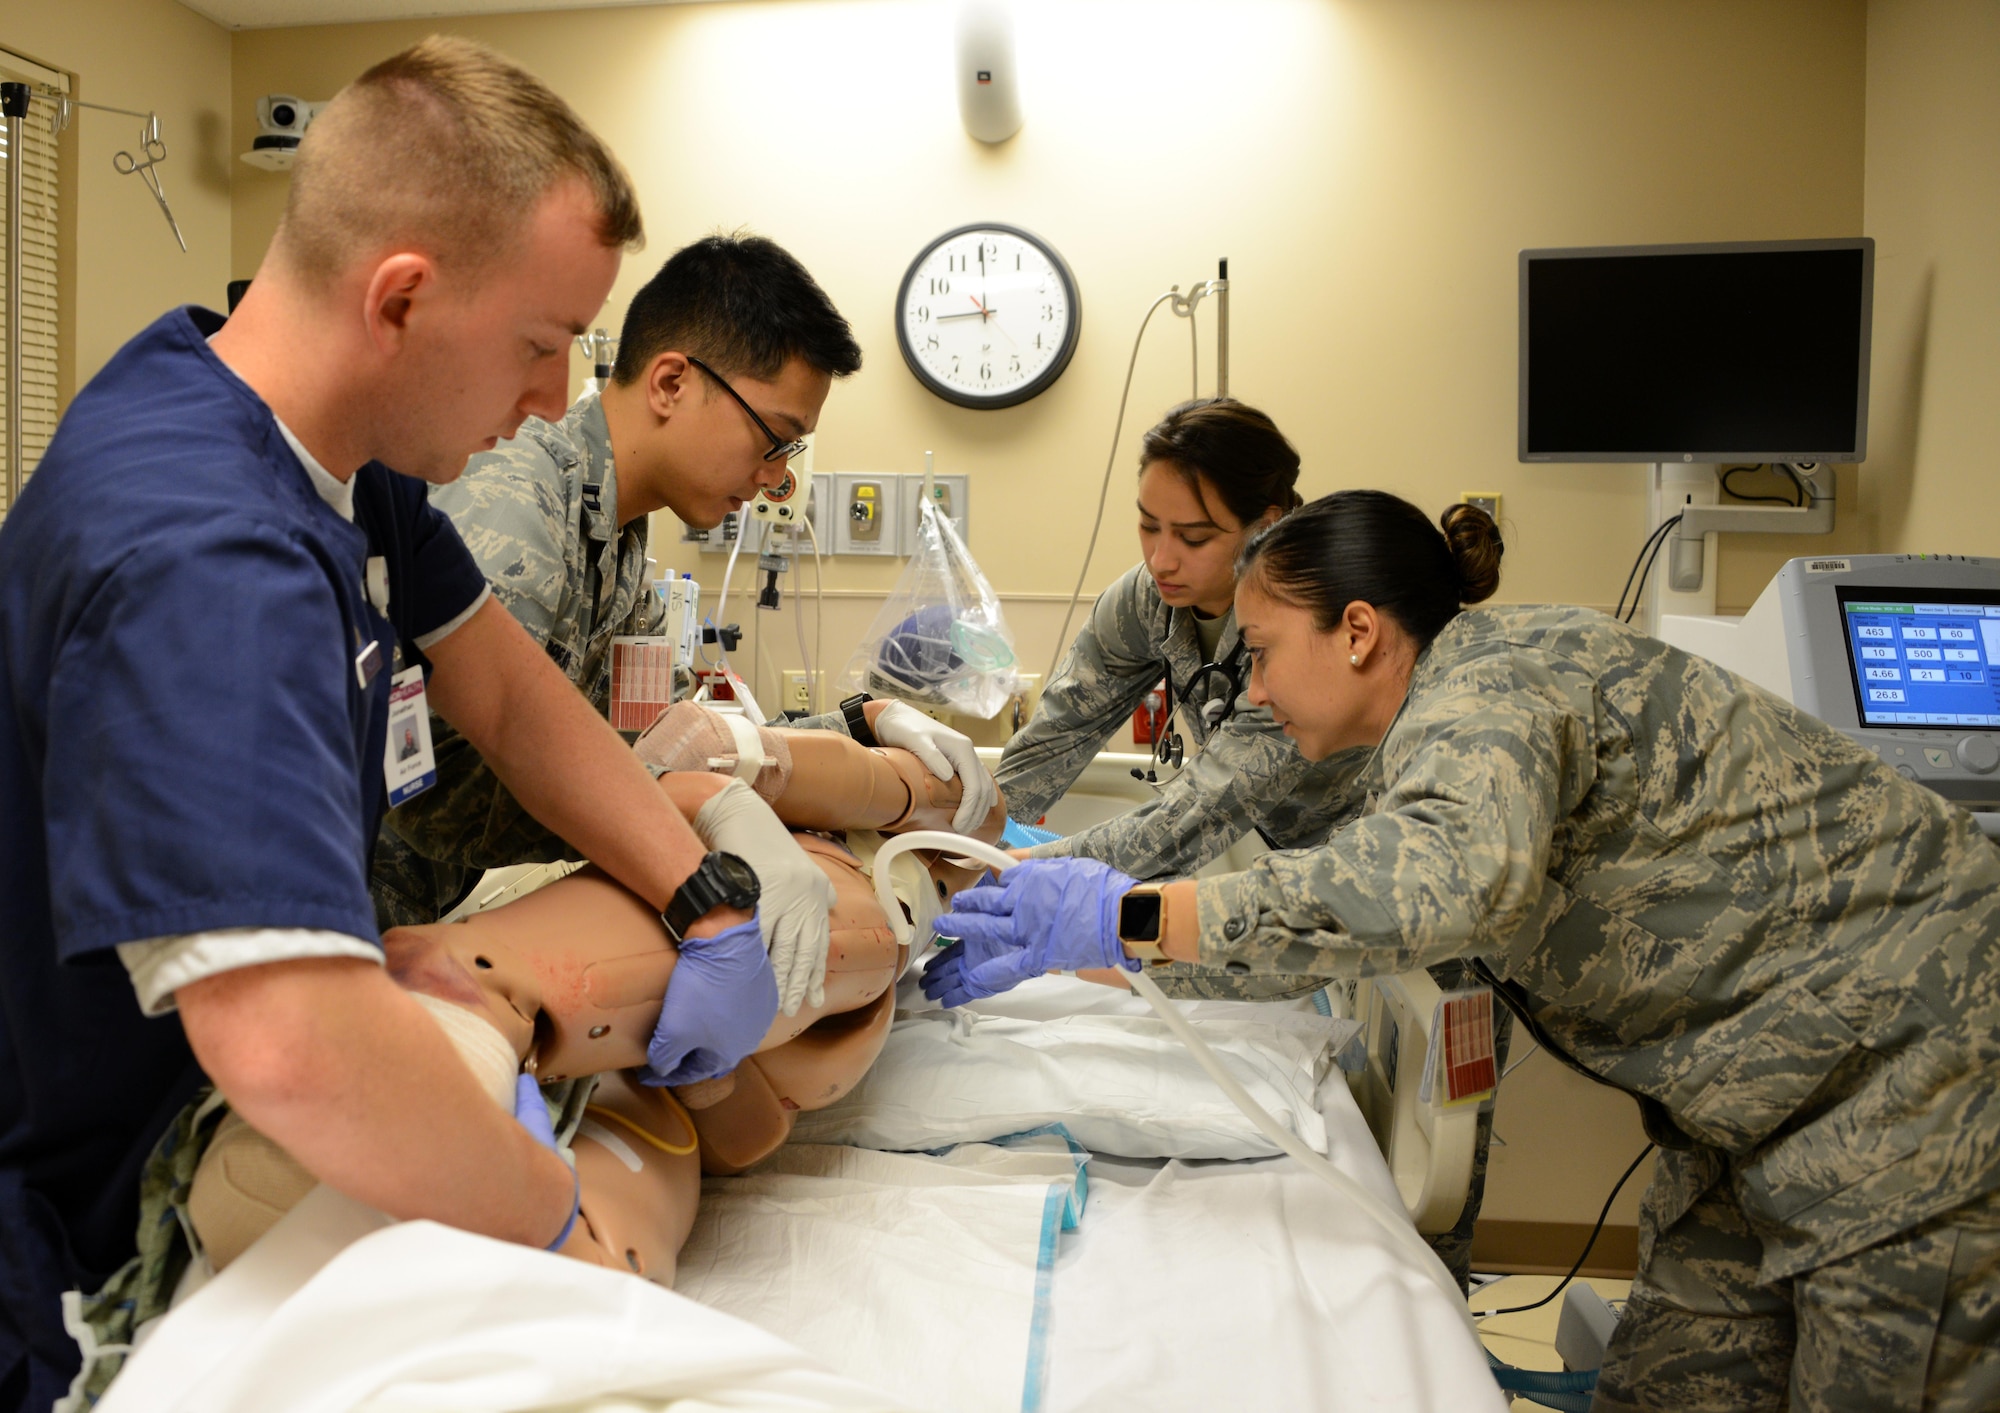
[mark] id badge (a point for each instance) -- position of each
(408, 767)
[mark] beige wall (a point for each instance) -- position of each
(141, 54)
(1932, 482)
(1371, 168)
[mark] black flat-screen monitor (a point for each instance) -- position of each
(1752, 351)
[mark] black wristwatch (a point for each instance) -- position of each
(722, 881)
(857, 720)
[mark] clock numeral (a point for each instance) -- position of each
(989, 247)
(985, 372)
(923, 313)
(931, 342)
(940, 287)
(955, 264)
(1014, 363)
(1038, 340)
(1048, 313)
(954, 365)
(1017, 260)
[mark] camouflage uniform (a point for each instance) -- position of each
(1242, 775)
(1909, 1323)
(540, 515)
(1786, 952)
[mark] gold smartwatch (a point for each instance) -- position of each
(1142, 924)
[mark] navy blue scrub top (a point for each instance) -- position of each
(184, 746)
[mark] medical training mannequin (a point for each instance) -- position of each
(568, 981)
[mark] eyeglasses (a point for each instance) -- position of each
(780, 450)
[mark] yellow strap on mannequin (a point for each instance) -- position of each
(687, 1123)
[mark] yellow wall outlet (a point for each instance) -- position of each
(798, 693)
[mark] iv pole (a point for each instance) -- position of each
(1221, 288)
(1183, 306)
(14, 103)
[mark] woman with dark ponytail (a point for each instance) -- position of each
(1787, 953)
(1212, 473)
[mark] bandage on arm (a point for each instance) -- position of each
(814, 779)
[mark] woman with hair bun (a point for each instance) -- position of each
(1212, 473)
(1787, 953)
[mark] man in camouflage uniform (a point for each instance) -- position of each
(556, 517)
(1788, 954)
(1241, 774)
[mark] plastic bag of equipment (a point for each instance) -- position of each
(940, 640)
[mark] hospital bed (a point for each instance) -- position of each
(1185, 1284)
(1429, 1152)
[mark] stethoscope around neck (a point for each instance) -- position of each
(1170, 750)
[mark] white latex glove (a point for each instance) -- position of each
(945, 753)
(795, 894)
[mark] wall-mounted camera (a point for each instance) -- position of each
(281, 121)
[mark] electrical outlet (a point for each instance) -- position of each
(798, 687)
(1488, 501)
(951, 494)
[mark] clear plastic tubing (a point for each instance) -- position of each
(1397, 1224)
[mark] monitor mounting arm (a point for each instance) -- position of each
(1815, 517)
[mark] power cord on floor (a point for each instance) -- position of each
(1594, 1232)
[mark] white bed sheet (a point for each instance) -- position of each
(336, 1310)
(1205, 1285)
(1188, 1285)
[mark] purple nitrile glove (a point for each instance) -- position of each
(1039, 916)
(531, 1112)
(720, 1002)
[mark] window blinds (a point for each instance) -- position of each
(37, 238)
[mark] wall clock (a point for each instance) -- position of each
(988, 315)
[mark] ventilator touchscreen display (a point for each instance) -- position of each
(1919, 663)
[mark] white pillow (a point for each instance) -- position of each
(1120, 1085)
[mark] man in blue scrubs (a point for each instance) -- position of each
(206, 592)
